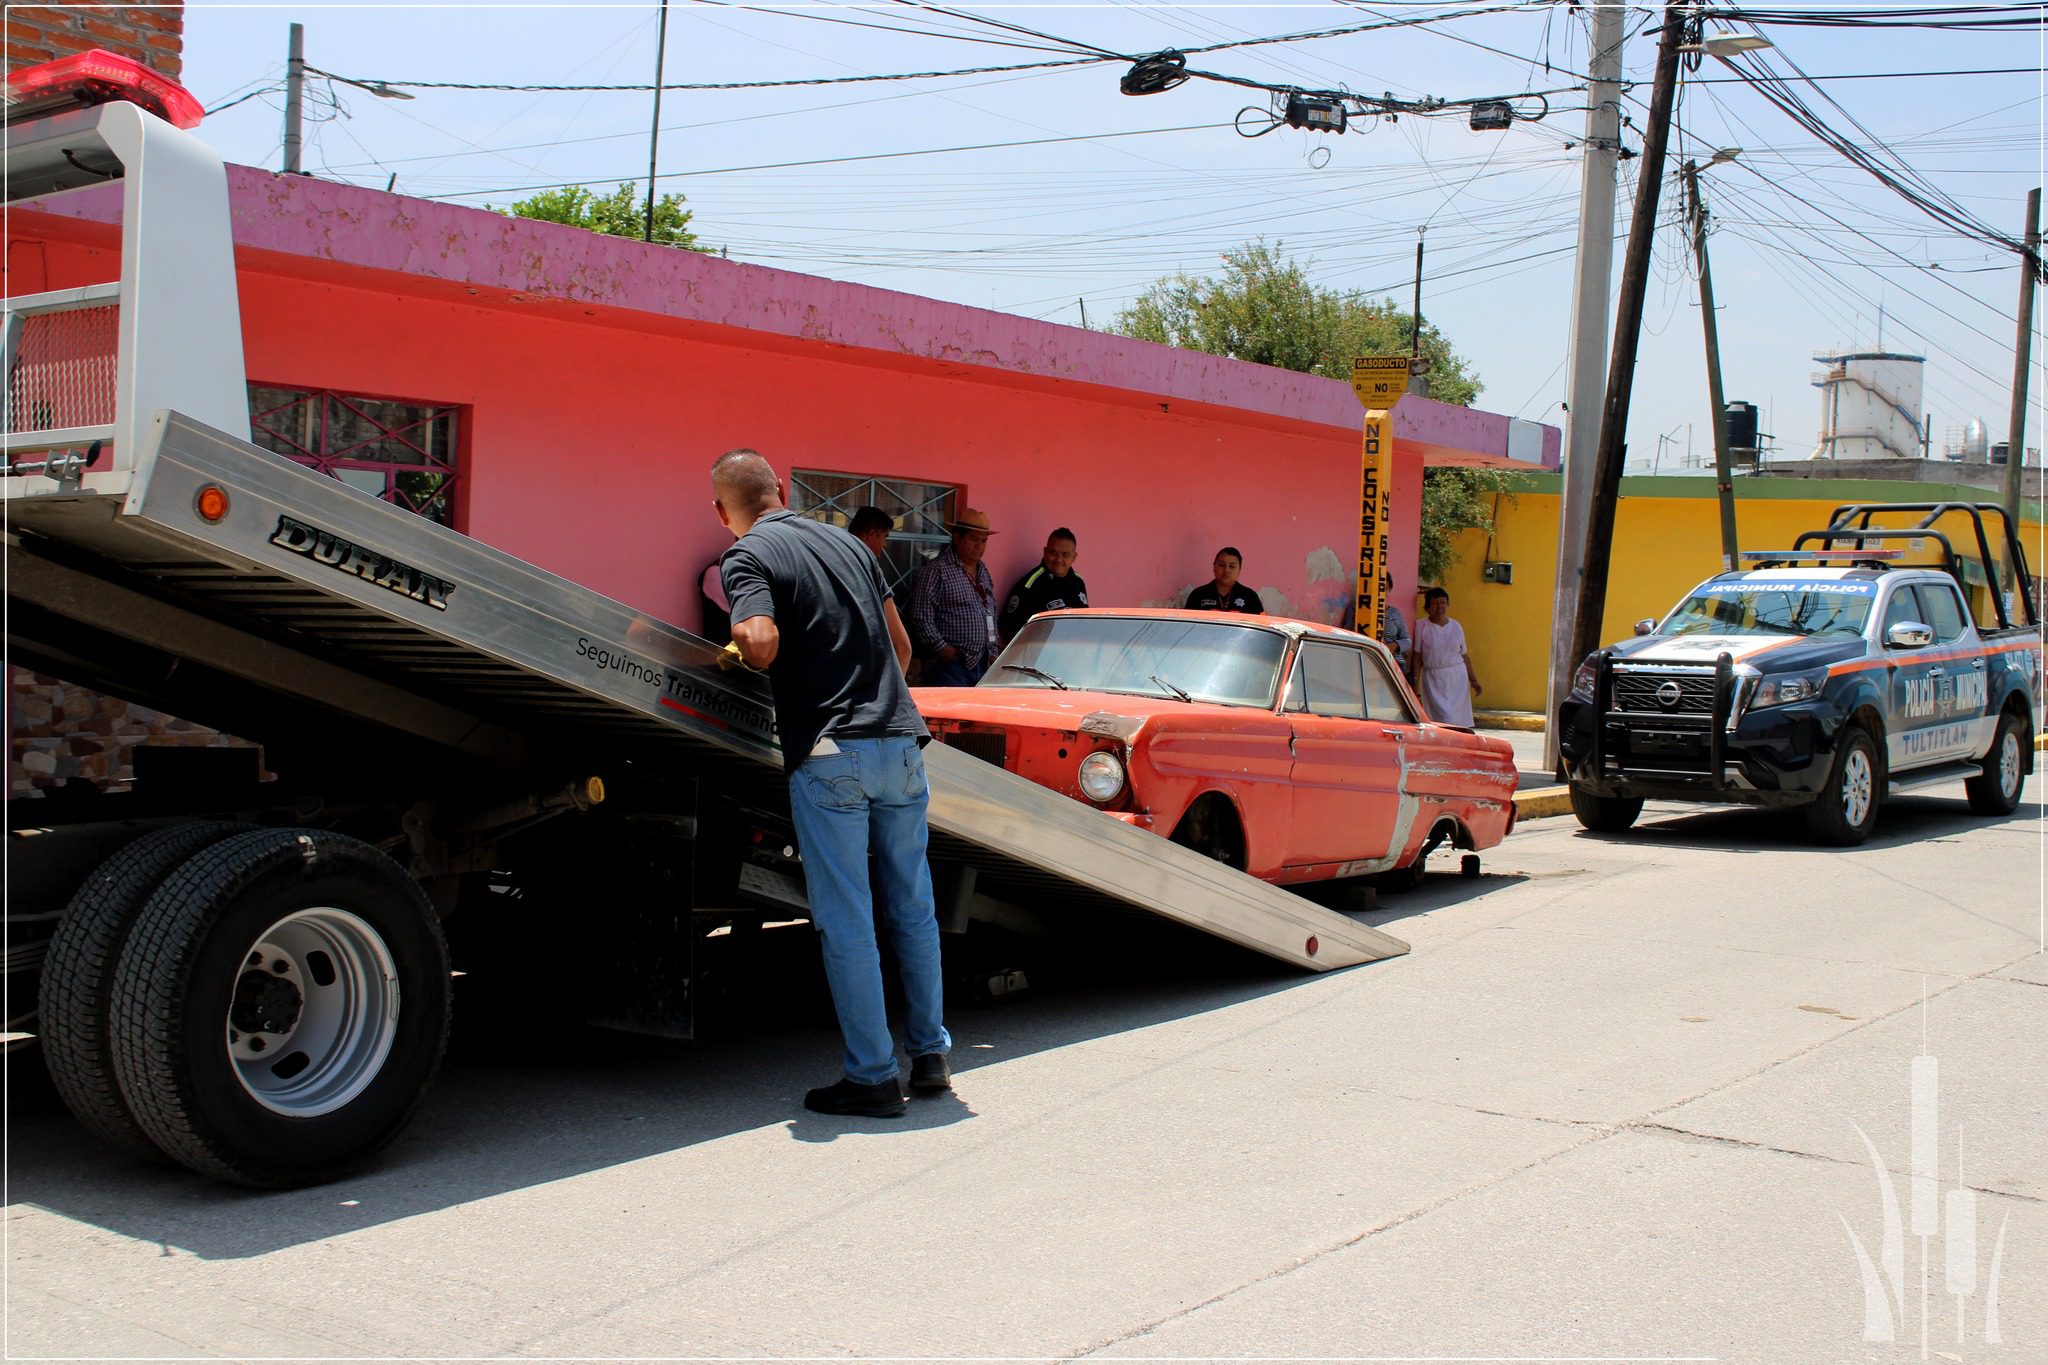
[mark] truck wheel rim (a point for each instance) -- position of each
(314, 1012)
(2009, 764)
(1856, 785)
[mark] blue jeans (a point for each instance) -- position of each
(955, 673)
(870, 797)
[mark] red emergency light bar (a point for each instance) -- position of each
(99, 77)
(1823, 554)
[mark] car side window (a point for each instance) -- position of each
(1944, 611)
(1902, 607)
(1383, 699)
(1332, 682)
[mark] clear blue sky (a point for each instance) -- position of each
(849, 181)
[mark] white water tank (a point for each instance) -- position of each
(1976, 442)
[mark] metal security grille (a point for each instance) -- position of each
(989, 748)
(1639, 692)
(60, 368)
(405, 453)
(922, 512)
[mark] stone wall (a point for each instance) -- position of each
(62, 733)
(152, 34)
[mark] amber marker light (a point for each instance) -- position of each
(212, 502)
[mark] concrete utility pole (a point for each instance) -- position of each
(2016, 428)
(654, 133)
(294, 98)
(1724, 463)
(1593, 272)
(1628, 327)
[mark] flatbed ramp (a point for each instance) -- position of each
(257, 569)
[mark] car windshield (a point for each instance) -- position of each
(1774, 608)
(1213, 661)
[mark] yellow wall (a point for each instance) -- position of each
(1667, 539)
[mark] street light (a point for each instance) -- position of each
(1726, 45)
(377, 88)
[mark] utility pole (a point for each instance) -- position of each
(2016, 428)
(1593, 273)
(294, 98)
(1417, 383)
(654, 133)
(1628, 327)
(1724, 464)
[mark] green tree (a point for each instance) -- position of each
(622, 213)
(1263, 307)
(1455, 500)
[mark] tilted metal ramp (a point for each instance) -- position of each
(467, 645)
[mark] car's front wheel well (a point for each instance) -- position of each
(1212, 827)
(1870, 720)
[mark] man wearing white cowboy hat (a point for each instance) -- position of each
(953, 606)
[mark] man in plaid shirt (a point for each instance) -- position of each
(953, 607)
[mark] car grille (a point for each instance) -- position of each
(1638, 692)
(985, 745)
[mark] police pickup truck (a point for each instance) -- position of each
(1824, 677)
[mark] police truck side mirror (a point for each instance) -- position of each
(1647, 626)
(1909, 635)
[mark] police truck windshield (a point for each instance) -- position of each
(1212, 661)
(1778, 607)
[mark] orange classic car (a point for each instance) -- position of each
(1290, 750)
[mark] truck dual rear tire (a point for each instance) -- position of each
(280, 1007)
(1845, 812)
(1997, 792)
(78, 974)
(1604, 814)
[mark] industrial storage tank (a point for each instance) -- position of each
(1976, 442)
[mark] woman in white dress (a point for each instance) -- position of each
(1443, 670)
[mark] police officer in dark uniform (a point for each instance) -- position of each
(1052, 586)
(1226, 593)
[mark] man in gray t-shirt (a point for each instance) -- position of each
(810, 608)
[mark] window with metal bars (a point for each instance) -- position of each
(921, 511)
(402, 451)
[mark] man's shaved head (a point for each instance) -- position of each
(744, 482)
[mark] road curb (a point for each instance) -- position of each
(1542, 802)
(1507, 720)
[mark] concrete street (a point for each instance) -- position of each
(1612, 1105)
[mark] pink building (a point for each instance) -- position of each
(560, 395)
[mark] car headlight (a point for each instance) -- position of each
(1781, 689)
(1582, 681)
(1102, 776)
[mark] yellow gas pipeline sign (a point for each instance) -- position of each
(1379, 382)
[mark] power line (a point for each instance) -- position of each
(1096, 57)
(1880, 75)
(835, 160)
(1951, 17)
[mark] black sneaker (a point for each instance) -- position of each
(931, 1072)
(884, 1101)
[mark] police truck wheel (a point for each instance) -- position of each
(78, 975)
(1846, 810)
(280, 1007)
(1997, 792)
(1605, 814)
